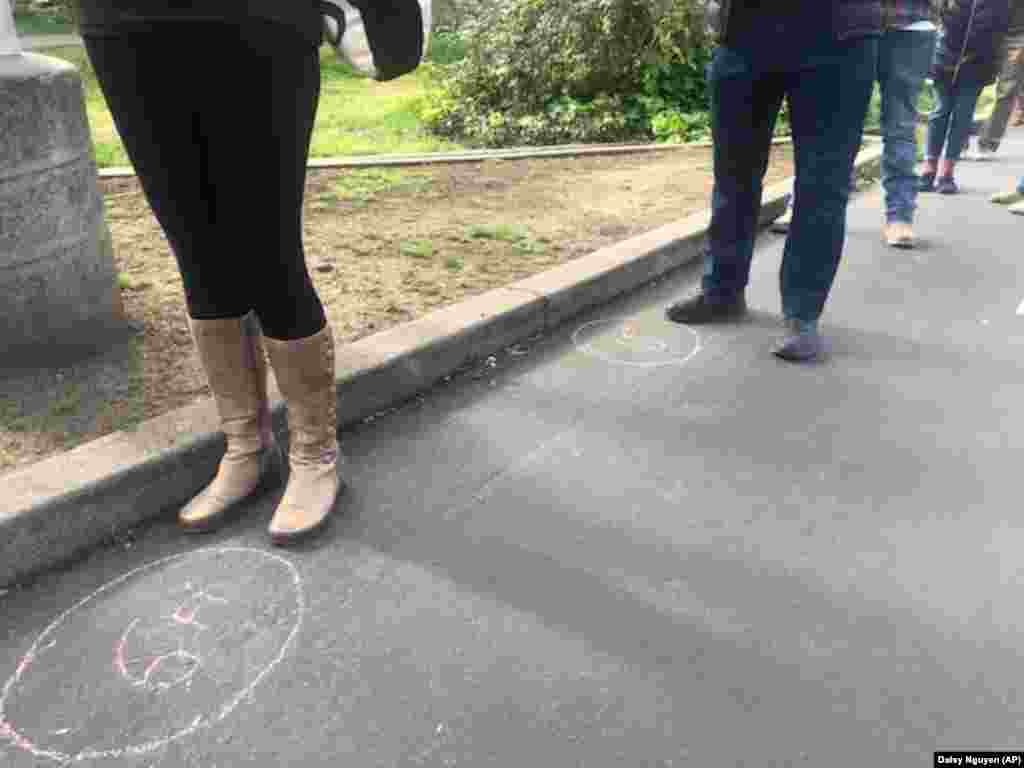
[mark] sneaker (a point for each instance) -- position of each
(977, 153)
(802, 343)
(781, 225)
(946, 186)
(926, 182)
(382, 39)
(899, 234)
(1007, 198)
(1017, 208)
(700, 310)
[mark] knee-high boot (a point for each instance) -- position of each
(232, 357)
(304, 369)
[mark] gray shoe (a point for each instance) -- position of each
(700, 310)
(802, 343)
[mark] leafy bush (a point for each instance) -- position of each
(555, 71)
(446, 48)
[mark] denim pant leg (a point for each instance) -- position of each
(829, 96)
(744, 106)
(939, 119)
(1020, 185)
(903, 61)
(965, 100)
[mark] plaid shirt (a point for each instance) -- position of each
(897, 14)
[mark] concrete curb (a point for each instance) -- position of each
(476, 156)
(60, 506)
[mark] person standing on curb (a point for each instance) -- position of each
(966, 60)
(822, 57)
(215, 104)
(1009, 87)
(905, 51)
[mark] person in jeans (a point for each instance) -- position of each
(215, 105)
(1009, 86)
(822, 57)
(905, 51)
(966, 60)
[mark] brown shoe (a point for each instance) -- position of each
(899, 234)
(304, 369)
(236, 371)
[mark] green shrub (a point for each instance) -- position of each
(556, 71)
(446, 48)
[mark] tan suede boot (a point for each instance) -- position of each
(304, 369)
(236, 370)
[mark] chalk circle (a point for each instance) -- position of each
(629, 344)
(153, 656)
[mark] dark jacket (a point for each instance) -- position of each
(973, 32)
(1016, 17)
(851, 18)
(897, 14)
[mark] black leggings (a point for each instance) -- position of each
(217, 120)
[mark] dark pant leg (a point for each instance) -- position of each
(829, 96)
(744, 107)
(1008, 87)
(258, 129)
(940, 118)
(965, 100)
(224, 160)
(157, 120)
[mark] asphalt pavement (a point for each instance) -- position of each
(626, 543)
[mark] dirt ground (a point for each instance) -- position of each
(384, 246)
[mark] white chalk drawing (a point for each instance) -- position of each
(180, 636)
(174, 667)
(632, 347)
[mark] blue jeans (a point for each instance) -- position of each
(1020, 185)
(828, 86)
(950, 124)
(903, 61)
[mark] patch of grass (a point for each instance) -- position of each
(129, 413)
(363, 185)
(65, 404)
(356, 116)
(508, 233)
(40, 24)
(529, 246)
(417, 249)
(454, 263)
(127, 283)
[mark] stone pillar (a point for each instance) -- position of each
(59, 297)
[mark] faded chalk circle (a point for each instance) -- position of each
(629, 343)
(153, 656)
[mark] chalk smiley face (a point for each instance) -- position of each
(632, 343)
(165, 652)
(153, 656)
